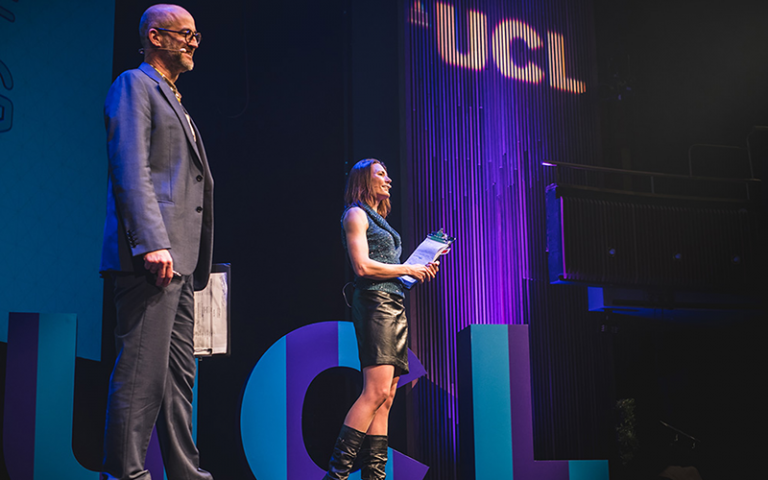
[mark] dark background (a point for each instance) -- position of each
(287, 95)
(696, 70)
(673, 74)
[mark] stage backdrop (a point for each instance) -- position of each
(55, 67)
(493, 90)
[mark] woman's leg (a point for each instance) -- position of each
(373, 453)
(379, 383)
(380, 423)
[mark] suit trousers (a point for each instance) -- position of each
(152, 380)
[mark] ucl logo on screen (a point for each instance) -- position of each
(6, 106)
(511, 44)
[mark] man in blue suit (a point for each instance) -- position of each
(158, 243)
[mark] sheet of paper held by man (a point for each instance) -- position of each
(211, 324)
(435, 245)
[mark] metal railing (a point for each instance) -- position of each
(652, 175)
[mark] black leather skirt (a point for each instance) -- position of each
(381, 329)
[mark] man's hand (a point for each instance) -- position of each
(160, 263)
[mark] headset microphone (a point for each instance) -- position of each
(177, 50)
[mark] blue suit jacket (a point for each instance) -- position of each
(160, 186)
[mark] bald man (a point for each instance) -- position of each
(158, 243)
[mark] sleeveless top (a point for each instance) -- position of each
(384, 245)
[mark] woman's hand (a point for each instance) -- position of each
(424, 273)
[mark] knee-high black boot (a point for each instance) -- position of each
(344, 452)
(374, 457)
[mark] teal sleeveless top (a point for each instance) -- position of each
(384, 245)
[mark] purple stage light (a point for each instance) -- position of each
(493, 88)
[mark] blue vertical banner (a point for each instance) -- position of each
(55, 69)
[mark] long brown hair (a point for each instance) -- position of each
(359, 189)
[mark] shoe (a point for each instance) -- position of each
(373, 454)
(344, 452)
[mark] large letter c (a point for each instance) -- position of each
(270, 416)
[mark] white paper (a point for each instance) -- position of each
(211, 325)
(427, 252)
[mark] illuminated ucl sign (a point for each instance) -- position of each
(494, 388)
(497, 42)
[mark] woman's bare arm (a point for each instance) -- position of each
(355, 226)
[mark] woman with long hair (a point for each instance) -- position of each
(378, 313)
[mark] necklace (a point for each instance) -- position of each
(170, 84)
